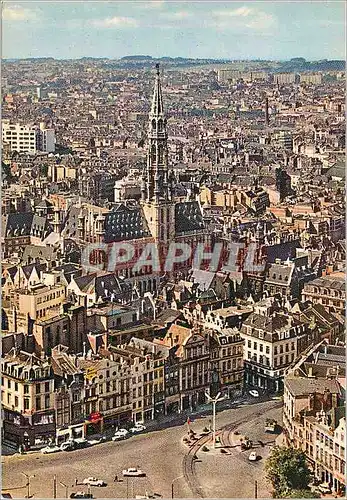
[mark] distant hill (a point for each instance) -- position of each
(136, 58)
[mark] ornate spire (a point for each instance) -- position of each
(157, 100)
(157, 156)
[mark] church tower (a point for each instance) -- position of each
(156, 192)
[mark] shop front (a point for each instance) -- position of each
(113, 420)
(29, 431)
(70, 432)
(94, 424)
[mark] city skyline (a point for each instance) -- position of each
(223, 30)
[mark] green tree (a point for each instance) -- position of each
(287, 470)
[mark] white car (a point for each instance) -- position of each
(138, 428)
(93, 481)
(68, 446)
(253, 456)
(254, 393)
(124, 432)
(50, 449)
(92, 442)
(133, 472)
(118, 435)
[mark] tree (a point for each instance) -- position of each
(287, 470)
(303, 494)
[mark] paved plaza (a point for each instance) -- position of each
(158, 453)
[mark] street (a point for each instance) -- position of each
(159, 454)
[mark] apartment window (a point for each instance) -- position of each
(38, 403)
(47, 401)
(255, 346)
(16, 386)
(26, 389)
(47, 387)
(8, 398)
(261, 347)
(26, 404)
(267, 349)
(9, 383)
(16, 402)
(38, 390)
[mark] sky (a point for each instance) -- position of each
(205, 29)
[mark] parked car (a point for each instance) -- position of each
(254, 393)
(81, 494)
(118, 436)
(93, 481)
(138, 428)
(124, 432)
(81, 442)
(133, 472)
(324, 488)
(50, 449)
(92, 442)
(252, 456)
(68, 446)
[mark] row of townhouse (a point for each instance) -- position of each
(69, 395)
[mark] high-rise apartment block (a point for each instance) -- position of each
(28, 138)
(285, 78)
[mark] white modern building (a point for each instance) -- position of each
(28, 138)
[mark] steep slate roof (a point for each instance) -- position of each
(281, 250)
(269, 325)
(27, 270)
(188, 217)
(71, 221)
(105, 286)
(204, 279)
(125, 222)
(281, 274)
(26, 224)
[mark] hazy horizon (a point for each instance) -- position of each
(276, 31)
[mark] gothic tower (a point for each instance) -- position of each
(156, 193)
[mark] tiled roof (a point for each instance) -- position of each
(125, 222)
(188, 217)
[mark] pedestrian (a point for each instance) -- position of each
(115, 479)
(76, 481)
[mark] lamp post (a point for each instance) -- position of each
(214, 401)
(172, 485)
(28, 482)
(66, 489)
